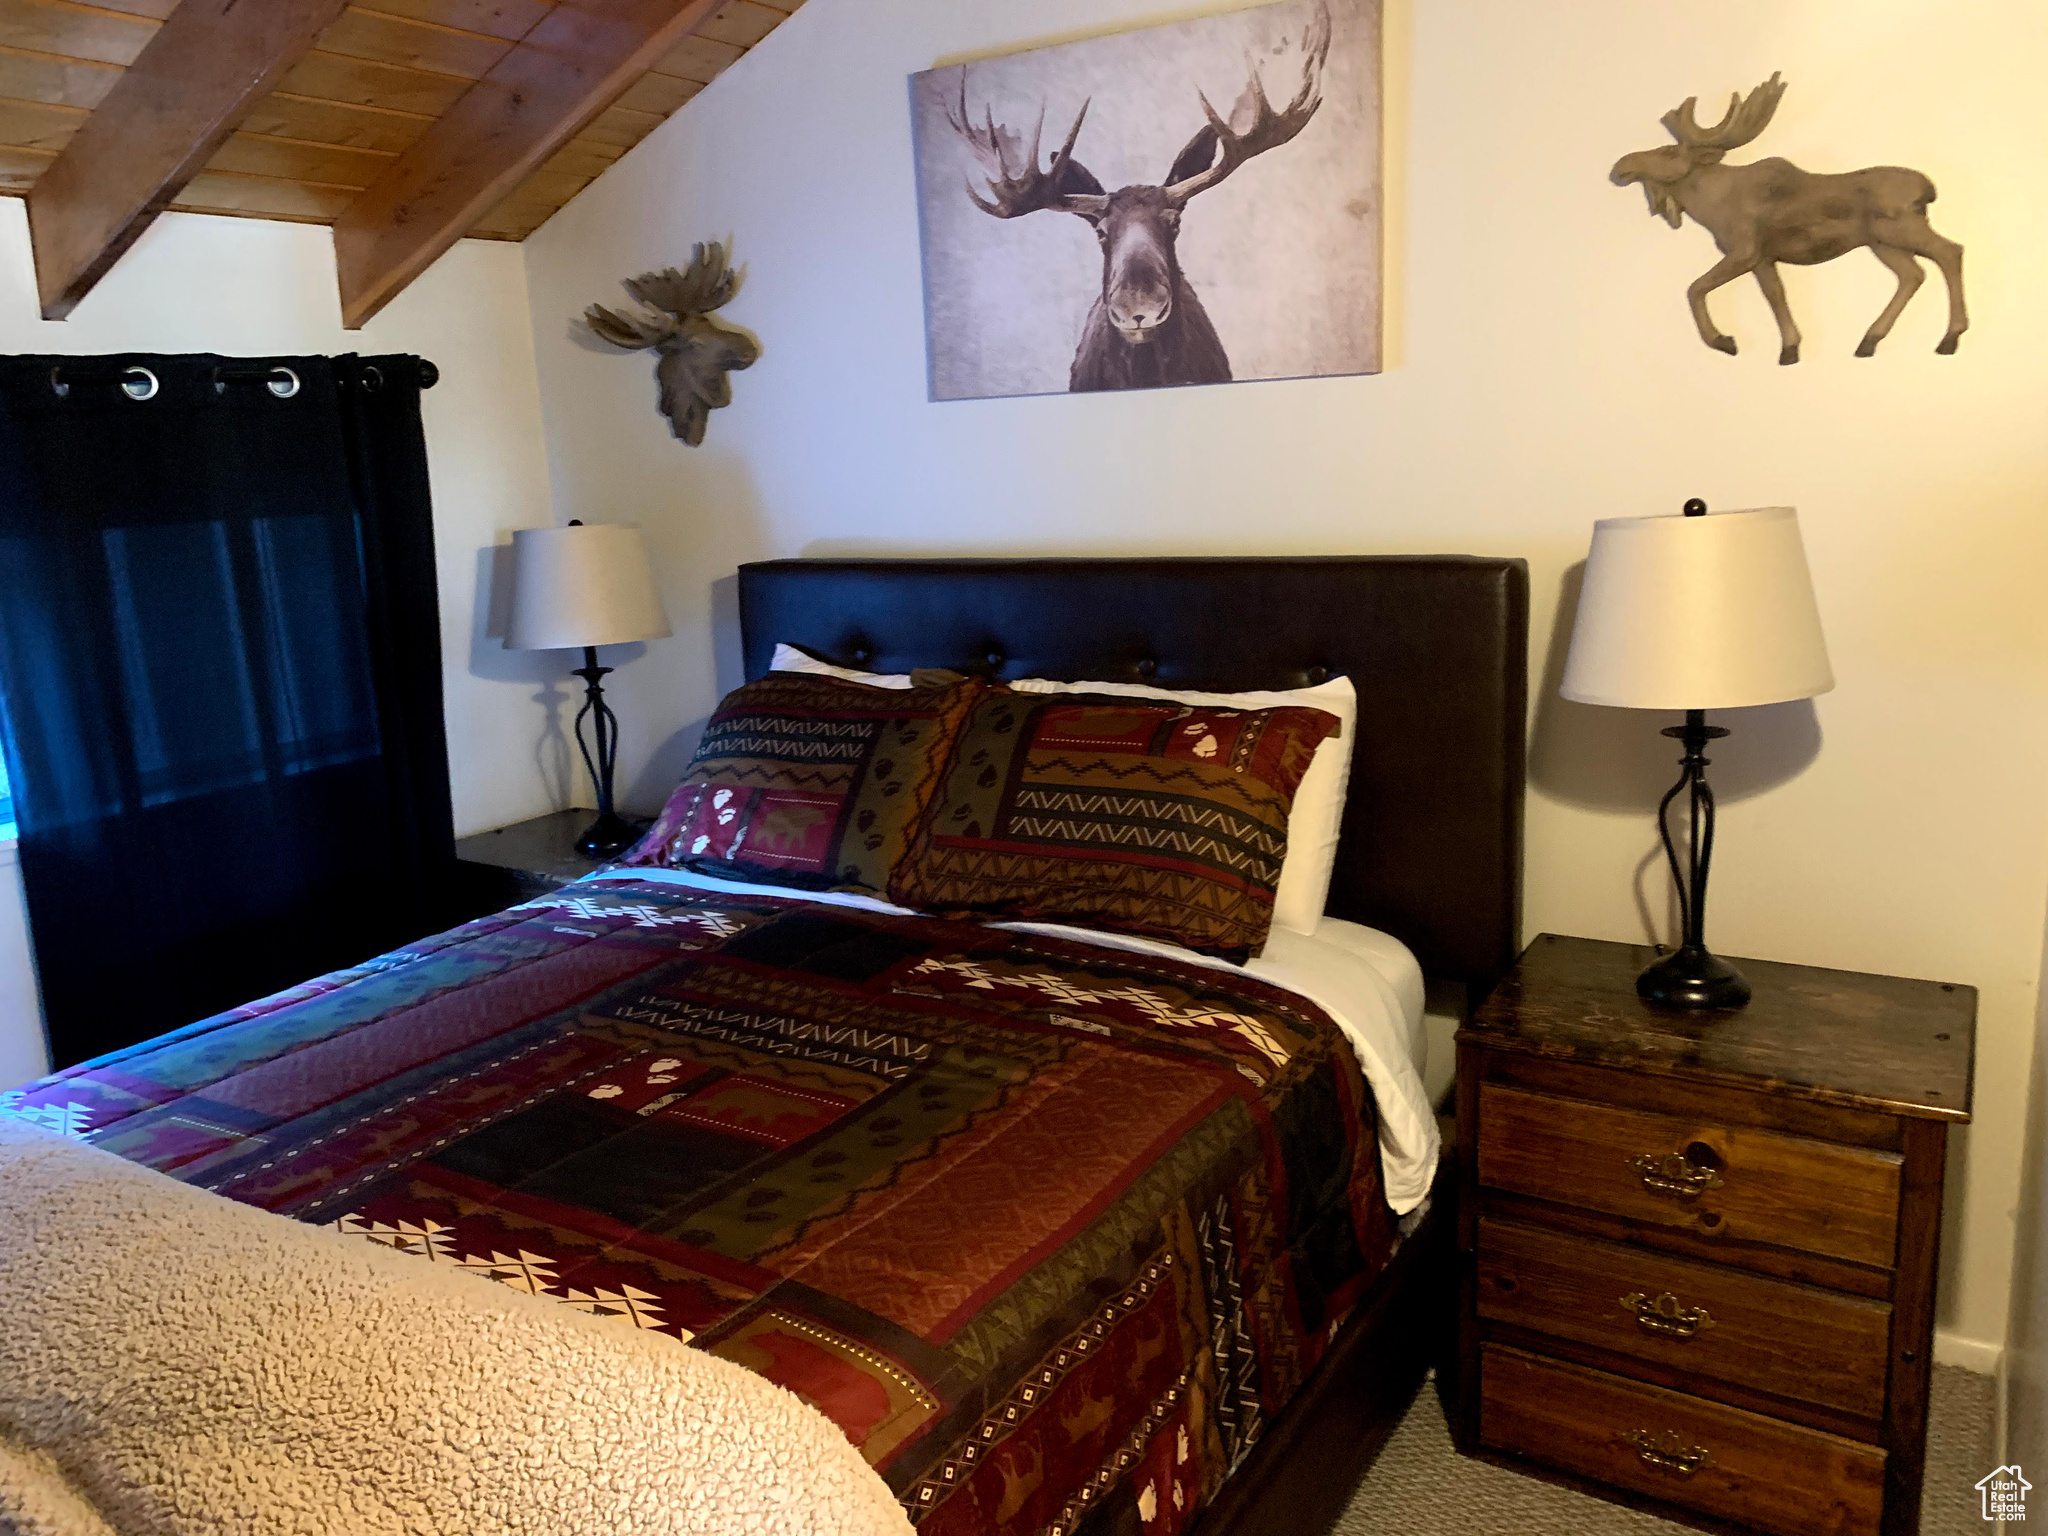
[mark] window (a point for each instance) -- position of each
(6, 804)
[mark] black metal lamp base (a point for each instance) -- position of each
(611, 834)
(1693, 977)
(608, 836)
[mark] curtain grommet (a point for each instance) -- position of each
(283, 387)
(57, 385)
(139, 384)
(373, 378)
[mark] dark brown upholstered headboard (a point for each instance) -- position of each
(1436, 645)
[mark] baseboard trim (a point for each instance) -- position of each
(1977, 1355)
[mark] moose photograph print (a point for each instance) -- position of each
(1188, 204)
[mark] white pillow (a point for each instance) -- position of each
(789, 659)
(1318, 813)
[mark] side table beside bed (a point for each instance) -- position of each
(1698, 1250)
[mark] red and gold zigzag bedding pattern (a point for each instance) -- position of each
(1050, 1230)
(1164, 820)
(810, 782)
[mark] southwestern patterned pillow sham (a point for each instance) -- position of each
(810, 782)
(1163, 820)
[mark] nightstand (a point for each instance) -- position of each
(529, 858)
(1698, 1249)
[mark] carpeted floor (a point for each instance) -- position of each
(1421, 1487)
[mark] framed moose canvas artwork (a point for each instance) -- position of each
(1188, 204)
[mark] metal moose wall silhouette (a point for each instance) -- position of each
(697, 352)
(1771, 211)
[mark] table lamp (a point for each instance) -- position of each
(586, 585)
(1696, 612)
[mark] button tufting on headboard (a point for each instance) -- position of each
(1318, 675)
(1148, 668)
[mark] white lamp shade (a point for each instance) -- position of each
(1712, 612)
(588, 584)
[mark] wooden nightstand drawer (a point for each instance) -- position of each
(1725, 1183)
(1776, 1167)
(1794, 1341)
(1720, 1461)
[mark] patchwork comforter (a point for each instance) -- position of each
(1050, 1230)
(174, 1364)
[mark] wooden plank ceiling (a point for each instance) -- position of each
(374, 83)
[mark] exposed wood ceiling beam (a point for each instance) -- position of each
(159, 125)
(574, 63)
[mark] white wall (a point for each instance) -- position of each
(24, 1053)
(1542, 372)
(202, 284)
(2026, 1416)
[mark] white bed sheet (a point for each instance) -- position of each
(1366, 981)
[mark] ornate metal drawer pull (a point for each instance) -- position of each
(1668, 1451)
(1665, 1314)
(1674, 1174)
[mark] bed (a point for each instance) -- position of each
(1067, 1235)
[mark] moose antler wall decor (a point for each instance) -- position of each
(698, 353)
(1771, 211)
(1148, 328)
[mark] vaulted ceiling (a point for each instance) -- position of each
(478, 117)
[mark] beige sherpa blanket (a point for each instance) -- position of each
(172, 1362)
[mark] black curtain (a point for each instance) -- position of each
(221, 677)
